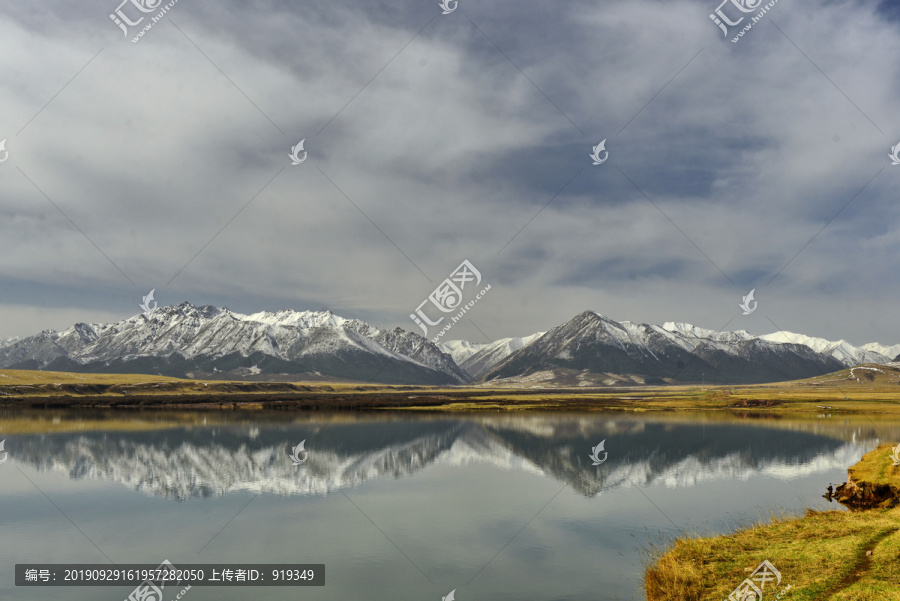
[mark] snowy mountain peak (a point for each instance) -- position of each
(303, 319)
(841, 350)
(687, 329)
(595, 317)
(887, 351)
(185, 309)
(461, 350)
(478, 359)
(636, 352)
(187, 341)
(9, 341)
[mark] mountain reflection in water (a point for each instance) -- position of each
(205, 461)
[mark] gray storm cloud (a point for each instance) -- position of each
(435, 138)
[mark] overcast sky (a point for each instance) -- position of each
(435, 138)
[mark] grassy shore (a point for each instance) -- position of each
(832, 555)
(861, 391)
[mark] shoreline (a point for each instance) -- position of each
(837, 394)
(292, 397)
(831, 554)
(303, 397)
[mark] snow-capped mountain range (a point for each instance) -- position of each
(593, 349)
(841, 350)
(206, 341)
(590, 349)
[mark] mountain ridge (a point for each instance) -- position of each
(590, 349)
(188, 341)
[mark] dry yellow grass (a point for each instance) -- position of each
(876, 467)
(850, 392)
(823, 555)
(21, 377)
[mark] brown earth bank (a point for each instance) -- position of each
(866, 495)
(873, 483)
(298, 400)
(757, 403)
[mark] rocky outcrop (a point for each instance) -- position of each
(865, 495)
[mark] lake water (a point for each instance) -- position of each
(401, 507)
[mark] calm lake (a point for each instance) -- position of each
(401, 506)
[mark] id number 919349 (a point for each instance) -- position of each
(292, 574)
